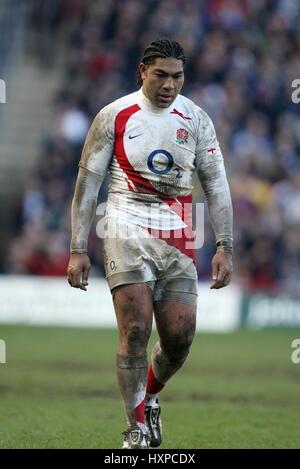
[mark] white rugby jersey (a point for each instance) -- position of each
(151, 154)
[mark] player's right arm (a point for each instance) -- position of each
(96, 156)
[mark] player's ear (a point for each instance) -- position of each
(142, 68)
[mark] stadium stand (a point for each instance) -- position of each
(242, 59)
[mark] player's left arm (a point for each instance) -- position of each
(212, 175)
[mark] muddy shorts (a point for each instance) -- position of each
(132, 254)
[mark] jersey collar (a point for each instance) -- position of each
(146, 104)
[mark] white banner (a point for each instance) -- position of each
(51, 301)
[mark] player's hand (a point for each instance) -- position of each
(221, 269)
(78, 271)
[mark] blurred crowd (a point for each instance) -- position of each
(243, 56)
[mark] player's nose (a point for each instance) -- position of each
(169, 84)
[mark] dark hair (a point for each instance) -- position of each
(161, 48)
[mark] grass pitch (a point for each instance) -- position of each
(58, 390)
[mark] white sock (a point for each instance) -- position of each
(151, 399)
(142, 426)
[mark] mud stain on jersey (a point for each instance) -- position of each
(99, 137)
(84, 207)
(170, 187)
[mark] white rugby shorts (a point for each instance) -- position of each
(134, 254)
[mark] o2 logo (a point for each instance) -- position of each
(169, 163)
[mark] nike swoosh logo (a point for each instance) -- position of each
(134, 136)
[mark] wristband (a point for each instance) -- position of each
(225, 245)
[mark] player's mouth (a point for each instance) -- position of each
(166, 97)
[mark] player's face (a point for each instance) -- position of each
(162, 81)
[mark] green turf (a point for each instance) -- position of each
(58, 390)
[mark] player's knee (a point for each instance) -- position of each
(177, 345)
(137, 336)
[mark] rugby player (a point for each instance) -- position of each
(151, 142)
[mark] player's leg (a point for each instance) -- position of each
(134, 311)
(175, 304)
(131, 278)
(176, 324)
